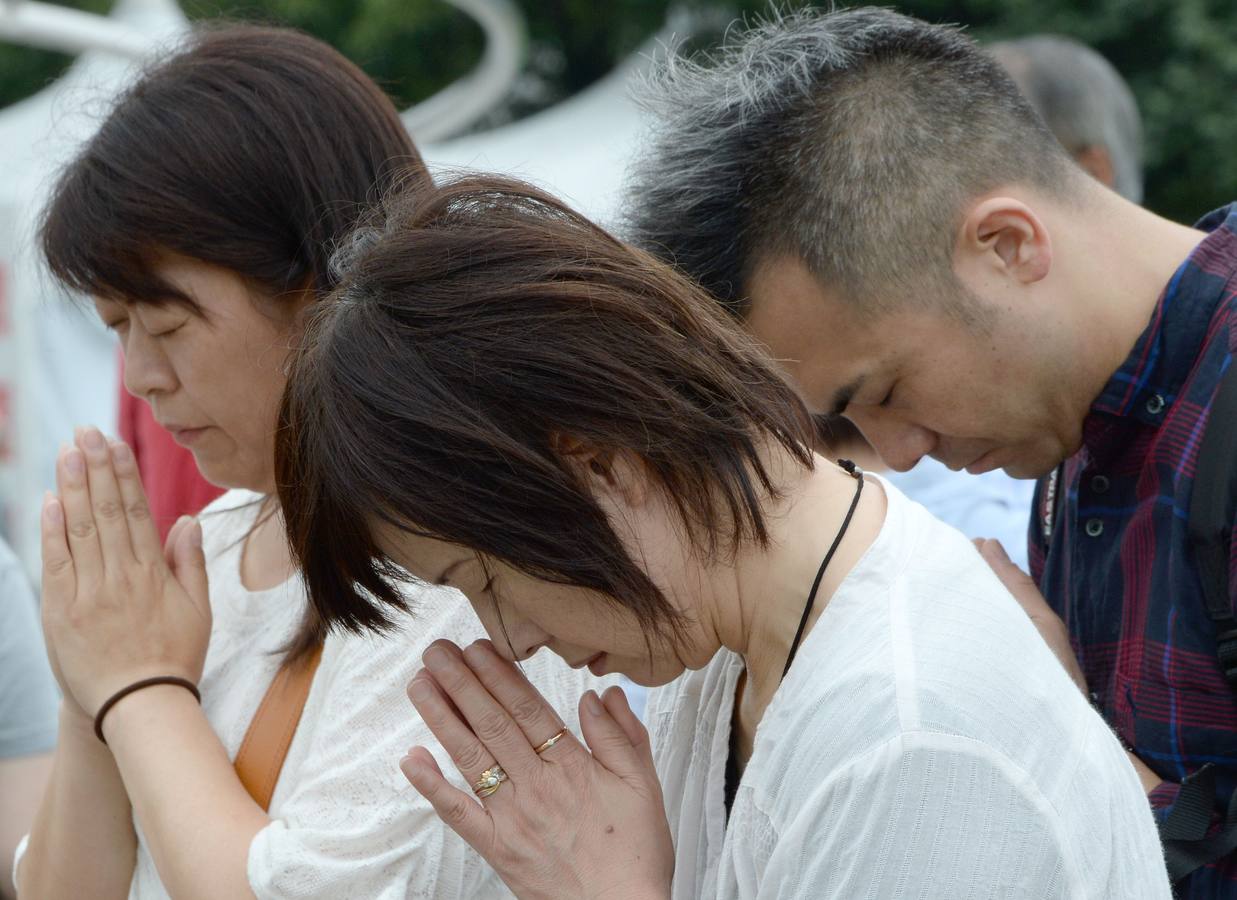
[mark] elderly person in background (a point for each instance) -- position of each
(28, 712)
(1085, 103)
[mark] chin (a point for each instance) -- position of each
(640, 673)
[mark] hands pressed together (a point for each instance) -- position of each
(569, 820)
(117, 606)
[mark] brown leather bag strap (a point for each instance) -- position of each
(260, 758)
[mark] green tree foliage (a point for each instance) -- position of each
(1180, 57)
(24, 70)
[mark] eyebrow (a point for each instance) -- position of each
(844, 395)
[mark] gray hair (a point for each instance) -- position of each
(1084, 101)
(850, 139)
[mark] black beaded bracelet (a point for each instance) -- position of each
(137, 686)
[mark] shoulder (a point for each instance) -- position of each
(976, 822)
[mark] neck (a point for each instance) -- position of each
(760, 615)
(1120, 258)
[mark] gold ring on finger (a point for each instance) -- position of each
(489, 781)
(542, 748)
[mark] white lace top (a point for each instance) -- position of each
(925, 743)
(344, 821)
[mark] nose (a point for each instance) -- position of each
(515, 641)
(901, 444)
(147, 370)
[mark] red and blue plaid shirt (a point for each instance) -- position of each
(1117, 565)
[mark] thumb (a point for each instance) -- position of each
(609, 741)
(189, 561)
(615, 700)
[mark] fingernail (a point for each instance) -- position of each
(93, 440)
(51, 509)
(195, 534)
(436, 659)
(75, 462)
(411, 770)
(420, 690)
(592, 703)
(475, 655)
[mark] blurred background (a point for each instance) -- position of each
(540, 89)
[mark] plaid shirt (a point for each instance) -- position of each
(1117, 566)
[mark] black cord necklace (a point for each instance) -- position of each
(857, 473)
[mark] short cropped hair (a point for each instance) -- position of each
(476, 325)
(1083, 100)
(849, 139)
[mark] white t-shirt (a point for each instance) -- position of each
(925, 743)
(345, 823)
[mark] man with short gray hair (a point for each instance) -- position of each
(1085, 102)
(876, 201)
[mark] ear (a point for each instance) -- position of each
(1004, 237)
(1097, 162)
(613, 477)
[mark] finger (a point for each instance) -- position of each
(462, 813)
(189, 562)
(610, 743)
(105, 502)
(535, 717)
(169, 543)
(1016, 581)
(485, 716)
(615, 700)
(142, 530)
(83, 537)
(470, 756)
(59, 582)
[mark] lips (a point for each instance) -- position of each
(984, 464)
(586, 662)
(184, 435)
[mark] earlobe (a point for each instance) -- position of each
(1010, 236)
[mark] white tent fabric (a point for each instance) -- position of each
(577, 149)
(57, 364)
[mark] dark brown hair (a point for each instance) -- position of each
(250, 148)
(254, 149)
(476, 325)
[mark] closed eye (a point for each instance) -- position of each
(889, 396)
(168, 331)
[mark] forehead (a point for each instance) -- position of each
(821, 341)
(424, 557)
(167, 281)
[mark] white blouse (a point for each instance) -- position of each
(925, 743)
(345, 823)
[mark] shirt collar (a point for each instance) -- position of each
(1147, 382)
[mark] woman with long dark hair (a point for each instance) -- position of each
(504, 398)
(200, 219)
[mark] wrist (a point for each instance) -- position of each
(75, 722)
(140, 711)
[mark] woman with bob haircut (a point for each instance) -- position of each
(199, 219)
(504, 398)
